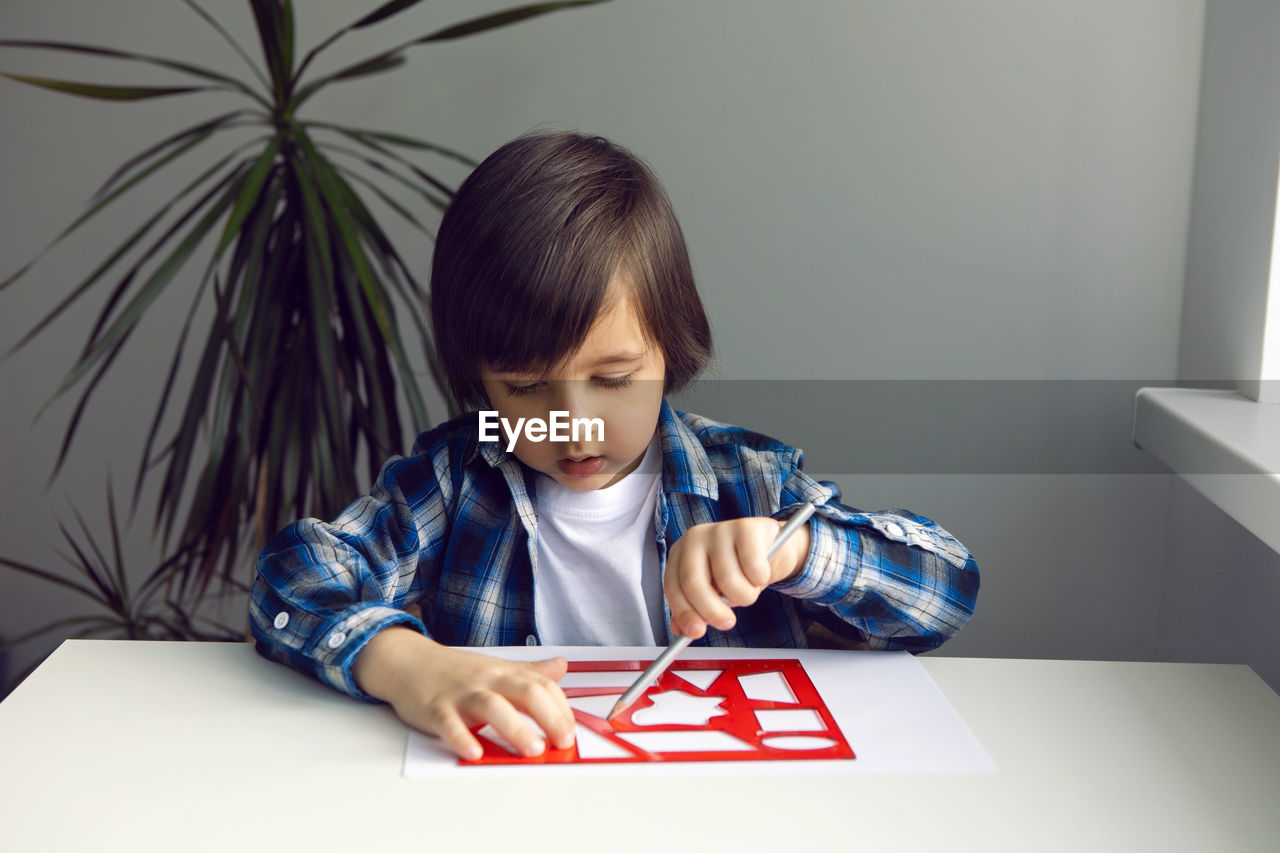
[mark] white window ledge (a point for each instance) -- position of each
(1225, 445)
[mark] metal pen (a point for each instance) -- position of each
(678, 645)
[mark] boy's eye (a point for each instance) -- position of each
(615, 381)
(522, 389)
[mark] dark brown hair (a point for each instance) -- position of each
(526, 251)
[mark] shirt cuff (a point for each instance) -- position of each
(823, 578)
(335, 646)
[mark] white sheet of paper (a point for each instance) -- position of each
(620, 680)
(592, 745)
(596, 706)
(797, 742)
(687, 741)
(677, 708)
(785, 720)
(767, 686)
(890, 711)
(700, 678)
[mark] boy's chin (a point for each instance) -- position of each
(583, 484)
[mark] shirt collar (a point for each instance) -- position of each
(685, 465)
(491, 452)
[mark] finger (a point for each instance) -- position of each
(683, 618)
(544, 701)
(450, 728)
(751, 556)
(701, 594)
(490, 707)
(729, 578)
(553, 668)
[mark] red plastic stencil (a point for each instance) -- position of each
(698, 710)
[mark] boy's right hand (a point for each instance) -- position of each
(445, 691)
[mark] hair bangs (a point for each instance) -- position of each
(529, 248)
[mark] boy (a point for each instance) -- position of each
(562, 293)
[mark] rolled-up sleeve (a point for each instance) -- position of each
(898, 578)
(321, 590)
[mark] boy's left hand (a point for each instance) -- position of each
(726, 558)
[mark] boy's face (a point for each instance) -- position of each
(617, 375)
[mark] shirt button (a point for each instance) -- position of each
(337, 639)
(282, 619)
(893, 530)
(531, 640)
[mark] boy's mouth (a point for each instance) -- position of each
(581, 467)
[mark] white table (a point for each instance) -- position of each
(192, 747)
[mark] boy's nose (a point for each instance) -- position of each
(571, 396)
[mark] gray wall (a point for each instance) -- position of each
(877, 195)
(1232, 216)
(1223, 591)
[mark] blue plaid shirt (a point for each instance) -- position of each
(453, 529)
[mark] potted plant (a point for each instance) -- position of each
(303, 368)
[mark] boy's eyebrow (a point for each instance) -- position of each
(617, 358)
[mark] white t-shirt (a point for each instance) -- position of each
(597, 581)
